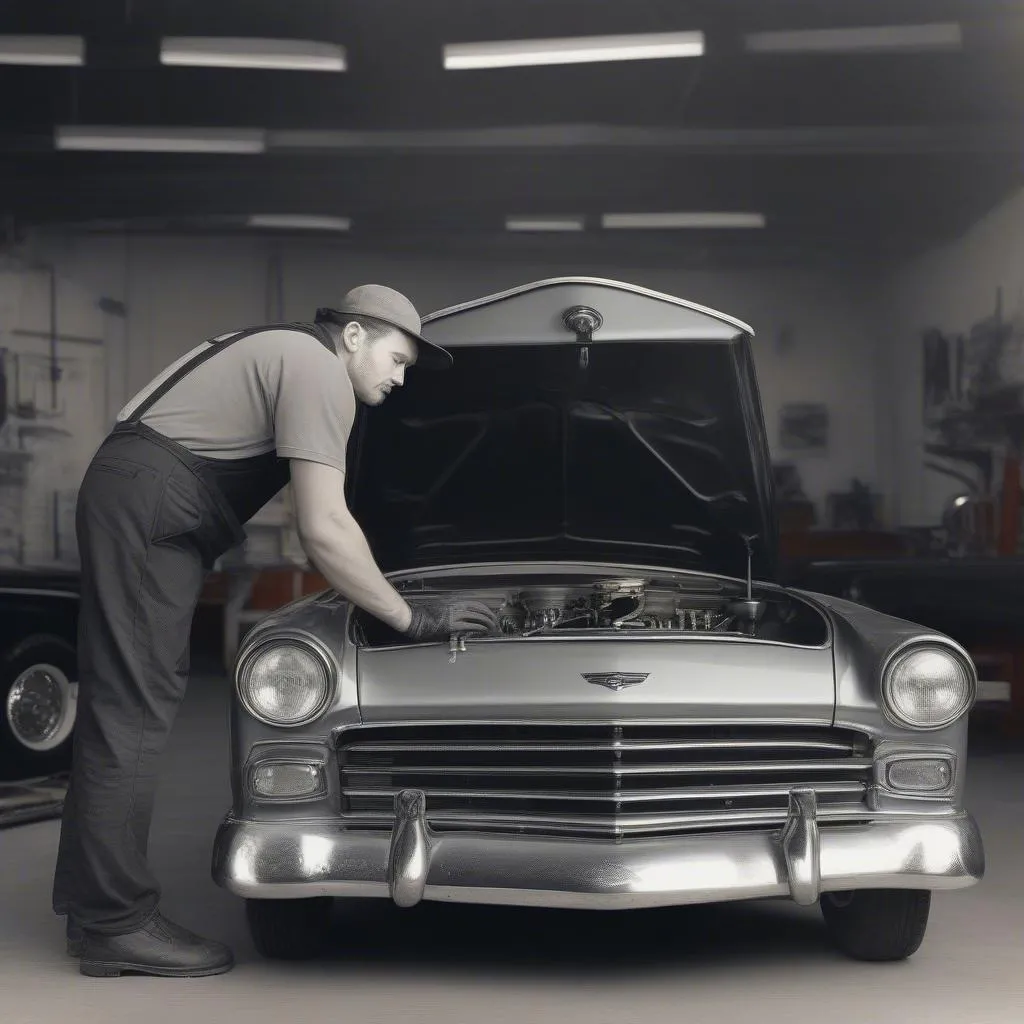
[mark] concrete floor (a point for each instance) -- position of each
(744, 962)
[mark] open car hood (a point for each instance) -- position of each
(641, 442)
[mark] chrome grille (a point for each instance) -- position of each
(601, 780)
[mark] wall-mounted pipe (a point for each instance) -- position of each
(54, 368)
(55, 374)
(274, 291)
(969, 482)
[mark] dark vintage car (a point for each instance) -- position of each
(38, 671)
(657, 721)
(977, 600)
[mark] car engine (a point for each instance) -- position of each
(528, 608)
(628, 604)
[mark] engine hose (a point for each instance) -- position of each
(641, 601)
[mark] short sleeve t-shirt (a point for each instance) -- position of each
(278, 389)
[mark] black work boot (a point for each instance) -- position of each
(75, 938)
(159, 947)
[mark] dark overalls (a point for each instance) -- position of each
(152, 518)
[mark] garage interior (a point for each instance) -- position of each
(848, 179)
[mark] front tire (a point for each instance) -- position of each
(877, 924)
(289, 929)
(38, 706)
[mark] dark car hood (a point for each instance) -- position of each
(653, 453)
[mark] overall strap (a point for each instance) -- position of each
(218, 345)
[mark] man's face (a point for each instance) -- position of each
(378, 365)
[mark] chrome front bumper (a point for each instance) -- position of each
(291, 860)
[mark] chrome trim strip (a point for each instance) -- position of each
(570, 746)
(19, 591)
(622, 286)
(825, 724)
(624, 796)
(598, 570)
(621, 825)
(608, 636)
(712, 768)
(292, 860)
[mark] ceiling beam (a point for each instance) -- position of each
(996, 137)
(999, 137)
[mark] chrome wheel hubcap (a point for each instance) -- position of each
(40, 707)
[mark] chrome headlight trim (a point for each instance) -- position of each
(287, 638)
(916, 645)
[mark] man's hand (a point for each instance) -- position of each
(438, 621)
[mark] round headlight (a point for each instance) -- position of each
(285, 682)
(928, 687)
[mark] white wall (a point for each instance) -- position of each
(816, 330)
(49, 428)
(949, 288)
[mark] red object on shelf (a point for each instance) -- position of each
(276, 587)
(843, 544)
(1009, 527)
(1006, 656)
(271, 589)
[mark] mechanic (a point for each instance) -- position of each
(191, 458)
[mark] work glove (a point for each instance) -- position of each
(439, 620)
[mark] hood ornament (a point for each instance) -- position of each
(583, 321)
(615, 680)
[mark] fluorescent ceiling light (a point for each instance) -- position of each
(683, 220)
(544, 223)
(276, 54)
(875, 39)
(160, 140)
(580, 50)
(301, 222)
(42, 50)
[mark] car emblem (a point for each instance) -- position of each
(615, 680)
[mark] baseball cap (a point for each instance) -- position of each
(390, 307)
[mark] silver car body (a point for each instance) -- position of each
(686, 757)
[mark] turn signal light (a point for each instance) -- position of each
(920, 774)
(283, 780)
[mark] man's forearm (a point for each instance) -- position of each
(341, 554)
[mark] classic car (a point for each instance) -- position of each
(656, 721)
(38, 671)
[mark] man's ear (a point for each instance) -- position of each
(352, 336)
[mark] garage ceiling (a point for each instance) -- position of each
(845, 154)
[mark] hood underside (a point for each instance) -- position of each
(643, 443)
